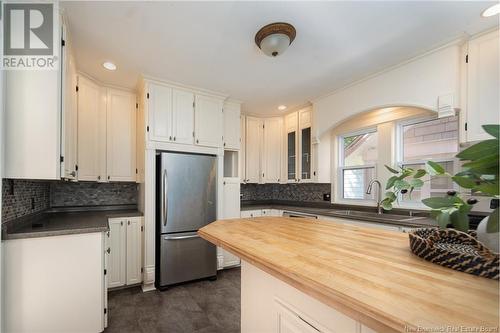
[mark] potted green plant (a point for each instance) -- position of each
(480, 174)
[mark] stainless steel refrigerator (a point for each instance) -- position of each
(186, 200)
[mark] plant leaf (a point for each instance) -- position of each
(492, 225)
(434, 169)
(441, 203)
(442, 218)
(420, 173)
(488, 188)
(460, 220)
(386, 205)
(390, 195)
(464, 182)
(400, 184)
(479, 150)
(391, 169)
(390, 182)
(417, 183)
(493, 130)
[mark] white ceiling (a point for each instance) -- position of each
(211, 44)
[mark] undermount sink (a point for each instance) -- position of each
(388, 217)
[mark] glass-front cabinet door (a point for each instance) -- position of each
(291, 156)
(305, 154)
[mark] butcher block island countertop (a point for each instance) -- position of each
(367, 274)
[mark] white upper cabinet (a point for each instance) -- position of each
(120, 134)
(253, 144)
(183, 116)
(291, 140)
(91, 142)
(241, 160)
(70, 116)
(160, 112)
(305, 146)
(272, 150)
(483, 85)
(208, 121)
(232, 133)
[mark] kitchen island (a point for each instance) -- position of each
(312, 275)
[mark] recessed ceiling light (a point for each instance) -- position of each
(493, 10)
(109, 65)
(282, 107)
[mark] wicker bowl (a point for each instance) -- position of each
(456, 250)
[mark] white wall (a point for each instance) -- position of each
(415, 83)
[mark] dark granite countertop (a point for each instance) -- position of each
(419, 218)
(67, 221)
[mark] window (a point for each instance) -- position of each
(358, 155)
(435, 140)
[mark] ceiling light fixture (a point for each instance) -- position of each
(493, 10)
(109, 65)
(273, 39)
(282, 107)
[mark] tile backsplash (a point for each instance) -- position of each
(310, 192)
(64, 194)
(25, 197)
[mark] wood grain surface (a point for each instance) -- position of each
(368, 274)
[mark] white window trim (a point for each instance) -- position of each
(339, 197)
(400, 161)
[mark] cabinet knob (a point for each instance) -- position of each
(170, 138)
(73, 173)
(174, 138)
(108, 250)
(109, 177)
(197, 141)
(98, 177)
(121, 222)
(224, 144)
(128, 222)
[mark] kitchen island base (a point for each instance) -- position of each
(271, 305)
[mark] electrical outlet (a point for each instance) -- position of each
(326, 197)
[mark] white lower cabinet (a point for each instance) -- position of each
(54, 284)
(251, 213)
(292, 321)
(124, 262)
(231, 210)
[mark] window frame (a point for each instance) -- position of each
(400, 162)
(341, 167)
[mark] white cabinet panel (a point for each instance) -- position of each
(292, 322)
(253, 149)
(91, 120)
(208, 121)
(117, 253)
(159, 112)
(134, 250)
(70, 116)
(232, 134)
(251, 213)
(291, 147)
(183, 116)
(120, 132)
(231, 210)
(483, 85)
(272, 150)
(242, 150)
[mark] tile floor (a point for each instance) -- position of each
(204, 306)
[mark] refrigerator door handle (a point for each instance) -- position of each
(165, 198)
(180, 237)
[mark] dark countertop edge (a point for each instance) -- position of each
(310, 207)
(106, 211)
(51, 233)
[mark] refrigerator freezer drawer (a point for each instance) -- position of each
(185, 257)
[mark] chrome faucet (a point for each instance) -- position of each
(369, 191)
